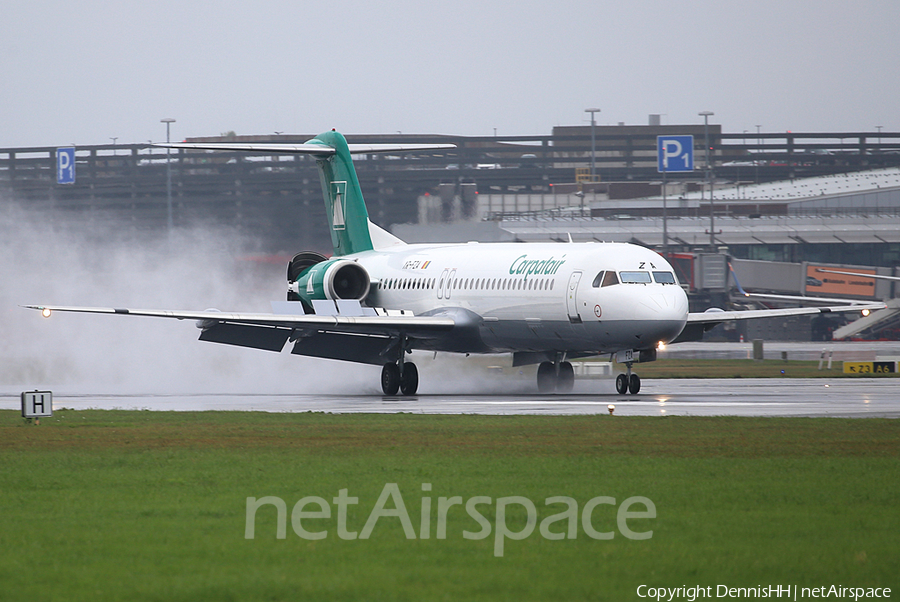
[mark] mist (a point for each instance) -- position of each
(58, 258)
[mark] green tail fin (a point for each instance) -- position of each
(344, 204)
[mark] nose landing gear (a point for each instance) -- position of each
(628, 382)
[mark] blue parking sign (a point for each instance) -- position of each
(674, 153)
(65, 165)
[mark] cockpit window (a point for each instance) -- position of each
(635, 277)
(664, 277)
(610, 279)
(597, 280)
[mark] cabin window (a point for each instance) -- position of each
(664, 277)
(551, 284)
(610, 279)
(635, 277)
(598, 280)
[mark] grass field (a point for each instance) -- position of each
(118, 505)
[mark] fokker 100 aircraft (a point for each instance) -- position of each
(377, 299)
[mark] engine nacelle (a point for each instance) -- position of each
(330, 279)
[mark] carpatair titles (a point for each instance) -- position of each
(528, 267)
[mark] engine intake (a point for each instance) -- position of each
(346, 279)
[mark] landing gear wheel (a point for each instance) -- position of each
(621, 384)
(566, 378)
(546, 377)
(390, 379)
(635, 385)
(409, 382)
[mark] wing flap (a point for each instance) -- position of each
(362, 349)
(243, 335)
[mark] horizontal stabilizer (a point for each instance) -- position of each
(307, 148)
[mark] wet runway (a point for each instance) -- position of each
(658, 397)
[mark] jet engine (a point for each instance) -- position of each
(313, 276)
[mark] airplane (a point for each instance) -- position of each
(875, 276)
(377, 298)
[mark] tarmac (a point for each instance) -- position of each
(488, 389)
(835, 397)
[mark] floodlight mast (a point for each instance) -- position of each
(593, 143)
(168, 121)
(712, 231)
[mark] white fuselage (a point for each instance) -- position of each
(540, 297)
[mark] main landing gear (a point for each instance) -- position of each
(628, 382)
(400, 376)
(559, 376)
(393, 380)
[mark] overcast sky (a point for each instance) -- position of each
(84, 72)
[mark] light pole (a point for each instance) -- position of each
(168, 121)
(712, 232)
(758, 152)
(878, 127)
(593, 143)
(114, 138)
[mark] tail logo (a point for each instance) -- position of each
(338, 194)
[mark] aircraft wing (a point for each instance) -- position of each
(876, 276)
(271, 331)
(700, 322)
(717, 317)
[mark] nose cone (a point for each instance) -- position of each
(666, 307)
(663, 303)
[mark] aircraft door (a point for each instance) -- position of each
(448, 284)
(442, 282)
(572, 296)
